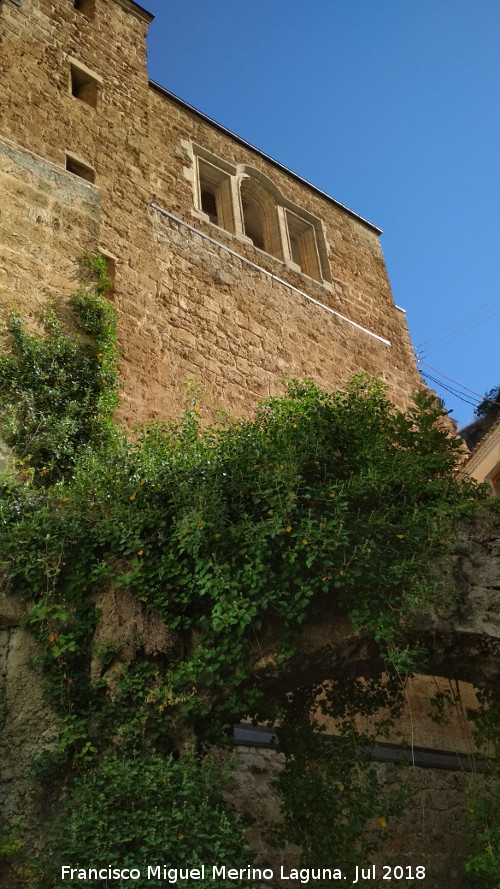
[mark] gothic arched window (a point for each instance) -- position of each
(260, 217)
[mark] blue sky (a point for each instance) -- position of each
(390, 106)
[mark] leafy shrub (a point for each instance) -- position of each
(322, 500)
(146, 811)
(58, 391)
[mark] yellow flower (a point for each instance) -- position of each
(288, 528)
(181, 836)
(304, 542)
(382, 821)
(132, 496)
(139, 552)
(400, 536)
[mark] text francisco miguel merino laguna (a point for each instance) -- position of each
(222, 872)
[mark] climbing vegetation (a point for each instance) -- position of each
(58, 391)
(321, 501)
(484, 799)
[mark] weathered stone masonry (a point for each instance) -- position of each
(189, 308)
(94, 154)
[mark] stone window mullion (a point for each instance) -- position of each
(283, 233)
(239, 225)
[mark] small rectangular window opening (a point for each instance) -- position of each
(85, 6)
(78, 168)
(83, 86)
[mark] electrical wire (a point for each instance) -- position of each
(450, 329)
(450, 380)
(442, 386)
(467, 322)
(467, 329)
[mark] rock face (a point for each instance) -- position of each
(27, 724)
(477, 574)
(125, 628)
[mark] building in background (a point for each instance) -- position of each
(483, 440)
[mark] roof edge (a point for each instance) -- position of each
(262, 154)
(144, 13)
(484, 445)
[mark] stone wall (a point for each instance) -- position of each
(48, 220)
(433, 832)
(27, 725)
(189, 309)
(200, 303)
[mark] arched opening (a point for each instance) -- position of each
(252, 217)
(260, 219)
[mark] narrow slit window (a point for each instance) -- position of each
(79, 168)
(83, 86)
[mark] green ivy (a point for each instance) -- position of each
(333, 806)
(322, 500)
(484, 799)
(131, 813)
(58, 391)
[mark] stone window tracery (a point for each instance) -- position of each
(260, 218)
(243, 201)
